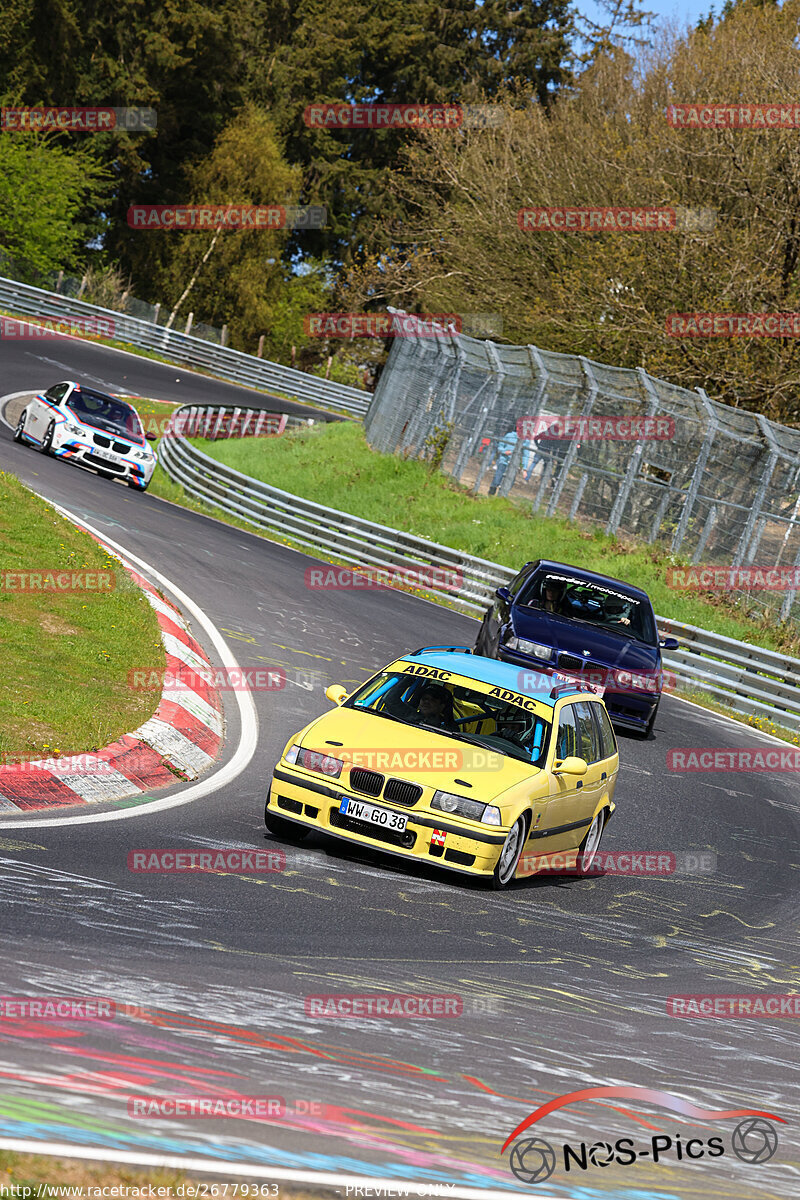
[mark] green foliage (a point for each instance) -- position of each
(42, 190)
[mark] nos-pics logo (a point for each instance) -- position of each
(532, 1159)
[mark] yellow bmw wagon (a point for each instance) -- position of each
(458, 760)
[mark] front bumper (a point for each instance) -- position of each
(298, 796)
(83, 455)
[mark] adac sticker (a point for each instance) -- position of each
(438, 837)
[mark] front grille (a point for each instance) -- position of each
(290, 805)
(570, 663)
(122, 447)
(312, 811)
(400, 791)
(459, 857)
(368, 782)
(103, 462)
(99, 440)
(376, 832)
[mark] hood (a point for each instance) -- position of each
(610, 649)
(406, 752)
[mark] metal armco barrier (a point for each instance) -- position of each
(190, 351)
(746, 678)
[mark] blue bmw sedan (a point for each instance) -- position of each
(559, 619)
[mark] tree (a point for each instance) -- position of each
(42, 190)
(608, 143)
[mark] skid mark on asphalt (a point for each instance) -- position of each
(378, 1106)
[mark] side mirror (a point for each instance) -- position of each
(669, 643)
(570, 766)
(503, 593)
(150, 437)
(336, 693)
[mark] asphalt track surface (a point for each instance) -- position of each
(564, 982)
(33, 364)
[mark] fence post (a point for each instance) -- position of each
(789, 598)
(223, 341)
(704, 536)
(260, 350)
(189, 320)
(623, 495)
(572, 452)
(156, 311)
(699, 471)
(573, 512)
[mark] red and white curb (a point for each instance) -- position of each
(180, 741)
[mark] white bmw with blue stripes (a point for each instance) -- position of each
(89, 429)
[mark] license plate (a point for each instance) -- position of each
(370, 814)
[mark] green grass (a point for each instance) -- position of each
(334, 465)
(66, 655)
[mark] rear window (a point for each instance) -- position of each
(608, 607)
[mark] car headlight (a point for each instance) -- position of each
(313, 760)
(535, 648)
(74, 429)
(143, 455)
(462, 806)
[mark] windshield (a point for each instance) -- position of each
(103, 412)
(457, 711)
(606, 607)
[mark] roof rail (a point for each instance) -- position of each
(447, 649)
(575, 686)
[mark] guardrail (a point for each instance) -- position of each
(746, 678)
(189, 351)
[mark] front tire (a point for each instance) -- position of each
(20, 430)
(47, 441)
(289, 831)
(506, 867)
